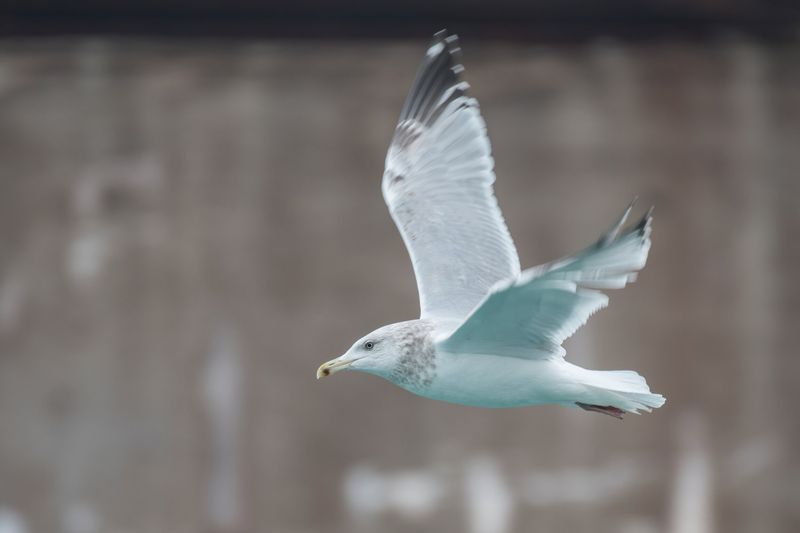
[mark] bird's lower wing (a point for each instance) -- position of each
(532, 315)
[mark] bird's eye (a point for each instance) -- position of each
(369, 345)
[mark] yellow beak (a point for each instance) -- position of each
(333, 366)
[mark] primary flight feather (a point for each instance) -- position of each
(489, 334)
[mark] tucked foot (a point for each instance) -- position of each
(605, 409)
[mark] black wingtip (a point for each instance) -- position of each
(613, 231)
(440, 35)
(439, 73)
(641, 227)
(449, 43)
(646, 221)
(444, 36)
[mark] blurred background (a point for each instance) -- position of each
(191, 222)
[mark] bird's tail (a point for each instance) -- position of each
(618, 391)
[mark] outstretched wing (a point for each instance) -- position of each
(438, 187)
(532, 315)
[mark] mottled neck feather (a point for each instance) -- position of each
(416, 364)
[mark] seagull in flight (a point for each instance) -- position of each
(489, 333)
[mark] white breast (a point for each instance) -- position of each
(492, 381)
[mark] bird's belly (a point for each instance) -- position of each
(497, 381)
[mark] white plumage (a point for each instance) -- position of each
(438, 187)
(488, 334)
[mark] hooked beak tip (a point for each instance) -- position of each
(331, 367)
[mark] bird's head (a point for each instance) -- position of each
(374, 353)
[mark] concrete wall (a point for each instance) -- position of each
(188, 230)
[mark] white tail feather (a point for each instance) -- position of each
(623, 389)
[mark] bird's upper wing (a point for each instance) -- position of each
(529, 317)
(438, 187)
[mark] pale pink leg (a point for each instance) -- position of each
(605, 409)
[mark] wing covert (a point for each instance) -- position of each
(529, 317)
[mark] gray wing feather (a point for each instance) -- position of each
(531, 316)
(438, 187)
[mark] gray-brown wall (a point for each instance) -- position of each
(188, 230)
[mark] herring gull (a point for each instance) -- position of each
(489, 334)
